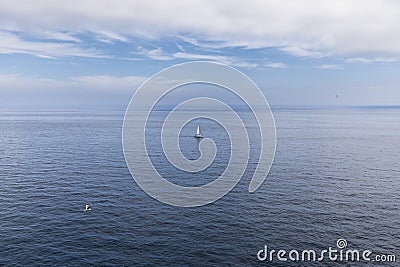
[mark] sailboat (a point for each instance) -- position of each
(198, 134)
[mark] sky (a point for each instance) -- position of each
(94, 54)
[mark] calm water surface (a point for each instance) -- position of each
(336, 174)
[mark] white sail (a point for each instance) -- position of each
(198, 134)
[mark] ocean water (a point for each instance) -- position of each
(336, 175)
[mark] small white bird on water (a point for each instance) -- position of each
(87, 207)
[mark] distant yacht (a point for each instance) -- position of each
(87, 207)
(198, 134)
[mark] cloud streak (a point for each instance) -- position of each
(365, 60)
(160, 54)
(12, 43)
(329, 67)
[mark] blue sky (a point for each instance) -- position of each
(96, 53)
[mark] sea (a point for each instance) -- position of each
(335, 176)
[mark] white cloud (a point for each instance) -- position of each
(301, 51)
(156, 54)
(302, 27)
(58, 36)
(276, 65)
(213, 45)
(110, 37)
(229, 60)
(159, 54)
(330, 67)
(12, 43)
(193, 56)
(372, 60)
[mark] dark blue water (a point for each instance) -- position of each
(336, 175)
